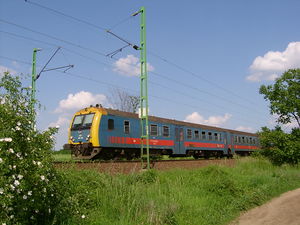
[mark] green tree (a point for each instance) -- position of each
(284, 96)
(30, 187)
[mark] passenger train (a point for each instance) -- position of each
(97, 132)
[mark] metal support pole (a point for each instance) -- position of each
(33, 84)
(144, 92)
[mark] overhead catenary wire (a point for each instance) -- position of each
(80, 76)
(151, 52)
(155, 73)
(154, 54)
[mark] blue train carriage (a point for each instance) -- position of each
(96, 132)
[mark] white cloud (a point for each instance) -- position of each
(195, 117)
(273, 64)
(129, 66)
(246, 129)
(61, 122)
(80, 100)
(6, 69)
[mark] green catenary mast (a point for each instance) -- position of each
(144, 91)
(33, 83)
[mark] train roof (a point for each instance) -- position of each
(175, 122)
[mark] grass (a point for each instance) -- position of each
(62, 156)
(212, 195)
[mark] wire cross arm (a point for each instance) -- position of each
(122, 39)
(61, 67)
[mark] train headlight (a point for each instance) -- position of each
(88, 137)
(72, 139)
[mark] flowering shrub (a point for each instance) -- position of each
(29, 185)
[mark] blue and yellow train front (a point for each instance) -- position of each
(83, 140)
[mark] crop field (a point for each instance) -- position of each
(214, 194)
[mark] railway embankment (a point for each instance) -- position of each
(213, 194)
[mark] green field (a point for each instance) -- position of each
(212, 195)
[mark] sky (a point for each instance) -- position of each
(206, 59)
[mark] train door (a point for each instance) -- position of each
(179, 140)
(228, 141)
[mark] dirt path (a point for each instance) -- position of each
(284, 210)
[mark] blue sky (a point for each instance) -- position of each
(207, 59)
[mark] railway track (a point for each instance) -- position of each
(125, 167)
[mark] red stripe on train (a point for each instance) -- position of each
(137, 141)
(245, 147)
(203, 145)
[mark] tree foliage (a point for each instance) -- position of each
(284, 96)
(280, 147)
(30, 188)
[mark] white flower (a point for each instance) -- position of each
(1, 160)
(39, 163)
(3, 223)
(11, 150)
(34, 162)
(5, 139)
(24, 196)
(83, 216)
(1, 191)
(16, 183)
(28, 139)
(18, 128)
(29, 193)
(18, 124)
(20, 176)
(42, 177)
(18, 155)
(14, 167)
(44, 189)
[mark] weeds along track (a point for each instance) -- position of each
(125, 167)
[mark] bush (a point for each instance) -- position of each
(280, 147)
(29, 185)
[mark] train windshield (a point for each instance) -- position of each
(83, 121)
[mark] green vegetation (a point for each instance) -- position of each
(280, 147)
(30, 188)
(211, 195)
(62, 156)
(284, 98)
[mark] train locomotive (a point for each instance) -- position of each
(97, 132)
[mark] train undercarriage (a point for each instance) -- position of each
(87, 151)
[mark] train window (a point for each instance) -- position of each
(203, 135)
(189, 134)
(153, 130)
(247, 140)
(216, 136)
(219, 137)
(111, 124)
(235, 139)
(254, 141)
(239, 139)
(197, 136)
(83, 121)
(243, 139)
(166, 131)
(210, 136)
(126, 127)
(250, 140)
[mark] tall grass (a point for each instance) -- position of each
(211, 195)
